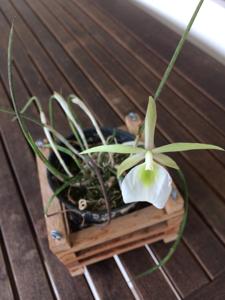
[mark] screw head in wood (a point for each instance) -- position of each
(39, 143)
(133, 116)
(56, 235)
(174, 193)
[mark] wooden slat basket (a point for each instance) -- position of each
(78, 249)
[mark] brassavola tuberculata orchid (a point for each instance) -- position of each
(148, 179)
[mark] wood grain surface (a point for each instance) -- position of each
(112, 54)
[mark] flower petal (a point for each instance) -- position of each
(165, 160)
(130, 162)
(141, 185)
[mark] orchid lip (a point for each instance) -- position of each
(153, 186)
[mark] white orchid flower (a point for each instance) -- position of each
(147, 179)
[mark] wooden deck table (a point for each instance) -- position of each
(112, 54)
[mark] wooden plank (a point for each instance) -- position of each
(18, 84)
(91, 69)
(203, 243)
(40, 80)
(144, 65)
(208, 204)
(214, 290)
(118, 75)
(49, 71)
(19, 240)
(5, 285)
(153, 284)
(33, 79)
(186, 274)
(72, 73)
(109, 281)
(23, 63)
(197, 67)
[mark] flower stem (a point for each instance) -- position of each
(177, 51)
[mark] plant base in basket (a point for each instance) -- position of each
(76, 250)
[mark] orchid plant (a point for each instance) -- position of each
(143, 175)
(146, 177)
(148, 180)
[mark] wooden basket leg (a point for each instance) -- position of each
(56, 223)
(71, 262)
(174, 225)
(174, 204)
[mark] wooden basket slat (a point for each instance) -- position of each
(120, 250)
(57, 221)
(137, 220)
